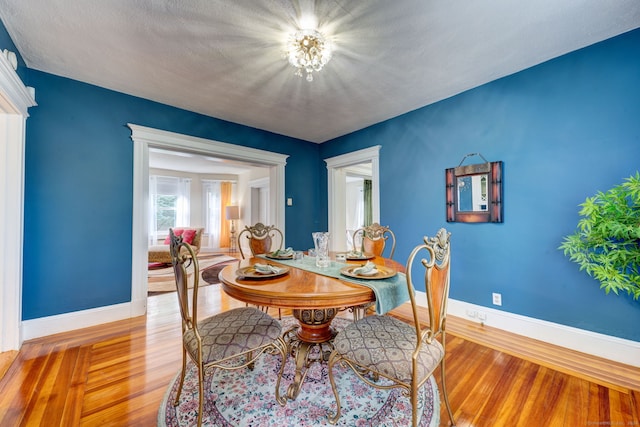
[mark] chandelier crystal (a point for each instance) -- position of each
(308, 50)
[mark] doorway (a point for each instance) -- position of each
(362, 162)
(145, 138)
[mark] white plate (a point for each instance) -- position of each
(251, 273)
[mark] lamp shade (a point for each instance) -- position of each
(233, 212)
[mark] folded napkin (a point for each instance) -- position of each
(355, 254)
(283, 252)
(369, 269)
(267, 268)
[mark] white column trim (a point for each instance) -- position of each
(259, 183)
(140, 216)
(15, 99)
(337, 203)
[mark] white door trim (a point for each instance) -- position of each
(336, 191)
(15, 100)
(144, 138)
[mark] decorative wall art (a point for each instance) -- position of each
(474, 192)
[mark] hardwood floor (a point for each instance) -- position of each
(116, 375)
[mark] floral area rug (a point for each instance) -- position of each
(161, 278)
(247, 398)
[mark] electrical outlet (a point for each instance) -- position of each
(471, 313)
(497, 299)
(482, 316)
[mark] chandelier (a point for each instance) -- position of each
(308, 50)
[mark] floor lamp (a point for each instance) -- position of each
(233, 213)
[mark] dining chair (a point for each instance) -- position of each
(374, 240)
(260, 238)
(381, 346)
(232, 339)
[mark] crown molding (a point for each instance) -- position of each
(15, 97)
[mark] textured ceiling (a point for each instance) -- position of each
(225, 58)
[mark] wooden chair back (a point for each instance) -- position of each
(436, 262)
(260, 239)
(374, 239)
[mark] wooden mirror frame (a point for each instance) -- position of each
(494, 193)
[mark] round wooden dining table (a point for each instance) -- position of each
(314, 299)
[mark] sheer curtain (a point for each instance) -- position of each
(183, 207)
(226, 193)
(166, 214)
(212, 212)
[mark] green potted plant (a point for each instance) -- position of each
(607, 242)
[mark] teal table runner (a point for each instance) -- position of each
(390, 293)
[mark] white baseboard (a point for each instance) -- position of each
(50, 325)
(605, 346)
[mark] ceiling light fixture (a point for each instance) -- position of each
(308, 50)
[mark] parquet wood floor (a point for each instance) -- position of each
(116, 374)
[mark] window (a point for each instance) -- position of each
(169, 199)
(166, 208)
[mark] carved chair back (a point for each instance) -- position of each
(260, 239)
(374, 239)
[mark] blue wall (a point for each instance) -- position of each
(79, 179)
(565, 129)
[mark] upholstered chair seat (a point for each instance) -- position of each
(231, 333)
(385, 345)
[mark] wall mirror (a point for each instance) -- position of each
(474, 192)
